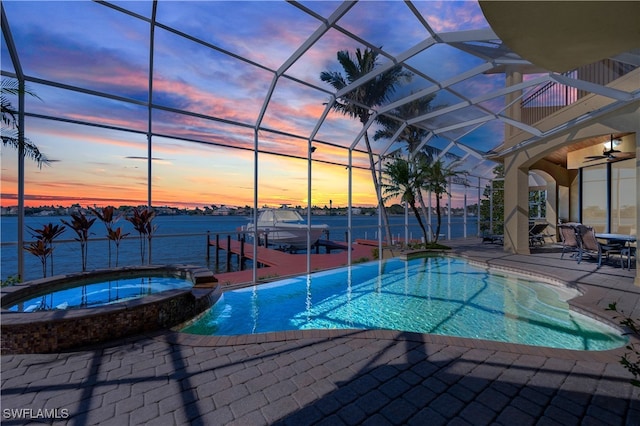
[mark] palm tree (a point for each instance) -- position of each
(403, 181)
(412, 136)
(358, 102)
(435, 178)
(10, 126)
(492, 205)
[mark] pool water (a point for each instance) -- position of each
(90, 294)
(438, 295)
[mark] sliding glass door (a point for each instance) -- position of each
(623, 197)
(609, 197)
(594, 197)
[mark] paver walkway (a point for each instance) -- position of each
(333, 378)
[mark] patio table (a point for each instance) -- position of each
(626, 238)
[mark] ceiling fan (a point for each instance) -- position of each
(610, 153)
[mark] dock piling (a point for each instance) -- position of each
(208, 246)
(241, 257)
(217, 250)
(228, 253)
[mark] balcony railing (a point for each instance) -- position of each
(554, 96)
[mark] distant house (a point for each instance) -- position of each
(222, 211)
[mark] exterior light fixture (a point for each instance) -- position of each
(611, 144)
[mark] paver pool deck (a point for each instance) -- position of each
(340, 377)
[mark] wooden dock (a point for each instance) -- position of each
(280, 264)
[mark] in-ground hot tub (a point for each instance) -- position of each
(37, 319)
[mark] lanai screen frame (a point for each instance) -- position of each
(450, 124)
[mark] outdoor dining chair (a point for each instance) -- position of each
(589, 244)
(568, 239)
(629, 251)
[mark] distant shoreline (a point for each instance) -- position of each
(215, 211)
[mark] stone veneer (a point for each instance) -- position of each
(58, 330)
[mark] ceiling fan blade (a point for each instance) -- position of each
(595, 157)
(622, 156)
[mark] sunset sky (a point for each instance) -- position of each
(198, 161)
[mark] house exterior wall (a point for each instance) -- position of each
(517, 163)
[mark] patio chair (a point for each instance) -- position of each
(568, 239)
(493, 238)
(536, 235)
(628, 251)
(588, 244)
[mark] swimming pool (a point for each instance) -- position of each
(100, 292)
(439, 295)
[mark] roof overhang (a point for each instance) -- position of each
(563, 35)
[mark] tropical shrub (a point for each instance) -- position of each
(108, 217)
(630, 360)
(81, 224)
(11, 280)
(141, 219)
(40, 249)
(116, 236)
(43, 246)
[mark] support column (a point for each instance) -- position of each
(513, 76)
(552, 208)
(516, 180)
(516, 208)
(636, 281)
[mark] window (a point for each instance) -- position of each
(538, 204)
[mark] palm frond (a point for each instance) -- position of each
(10, 133)
(30, 149)
(11, 86)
